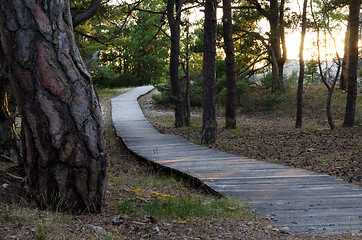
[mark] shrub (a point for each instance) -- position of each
(164, 96)
(105, 77)
(271, 100)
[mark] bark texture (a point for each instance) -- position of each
(231, 90)
(174, 19)
(62, 132)
(354, 10)
(299, 120)
(209, 126)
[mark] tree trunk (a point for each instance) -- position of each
(275, 32)
(62, 131)
(354, 10)
(328, 109)
(176, 87)
(282, 40)
(299, 121)
(188, 81)
(230, 107)
(343, 82)
(275, 16)
(209, 126)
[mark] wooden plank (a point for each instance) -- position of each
(302, 200)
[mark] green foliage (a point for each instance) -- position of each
(311, 71)
(267, 80)
(271, 100)
(131, 53)
(164, 96)
(41, 235)
(359, 78)
(252, 97)
(292, 79)
(5, 214)
(106, 77)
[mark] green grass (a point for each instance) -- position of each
(181, 208)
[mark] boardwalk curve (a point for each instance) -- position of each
(302, 201)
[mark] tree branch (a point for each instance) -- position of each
(259, 8)
(88, 14)
(91, 37)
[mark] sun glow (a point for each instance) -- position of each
(330, 47)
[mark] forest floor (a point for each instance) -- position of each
(271, 135)
(133, 182)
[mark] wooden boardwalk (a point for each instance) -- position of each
(297, 199)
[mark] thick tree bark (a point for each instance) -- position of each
(209, 127)
(299, 120)
(230, 107)
(354, 10)
(174, 20)
(62, 132)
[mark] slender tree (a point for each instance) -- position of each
(354, 9)
(186, 69)
(231, 94)
(299, 121)
(324, 77)
(174, 20)
(209, 127)
(343, 82)
(63, 146)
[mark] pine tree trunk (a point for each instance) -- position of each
(230, 107)
(188, 81)
(209, 127)
(176, 87)
(299, 120)
(62, 132)
(354, 10)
